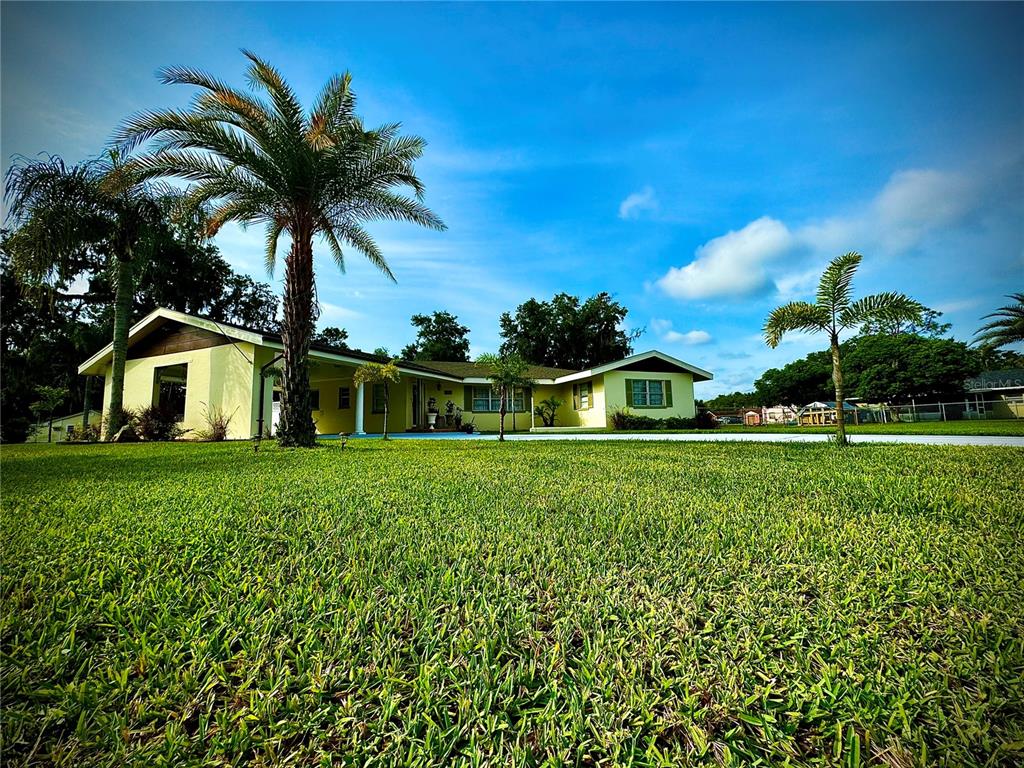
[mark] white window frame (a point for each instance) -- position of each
(492, 399)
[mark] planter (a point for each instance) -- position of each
(431, 420)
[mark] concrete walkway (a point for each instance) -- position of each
(782, 437)
(1009, 441)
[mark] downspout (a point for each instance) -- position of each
(263, 385)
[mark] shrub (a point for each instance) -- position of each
(90, 433)
(217, 423)
(129, 417)
(547, 410)
(624, 419)
(158, 424)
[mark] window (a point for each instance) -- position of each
(487, 400)
(649, 393)
(344, 398)
(582, 396)
(170, 383)
(379, 398)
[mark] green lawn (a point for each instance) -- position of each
(468, 603)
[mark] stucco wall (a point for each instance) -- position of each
(217, 376)
(682, 393)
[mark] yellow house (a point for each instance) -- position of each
(194, 364)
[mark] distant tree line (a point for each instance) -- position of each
(913, 362)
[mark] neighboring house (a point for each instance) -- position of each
(998, 394)
(62, 426)
(192, 363)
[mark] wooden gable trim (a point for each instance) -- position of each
(175, 337)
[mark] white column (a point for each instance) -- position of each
(359, 410)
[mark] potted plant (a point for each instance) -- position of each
(432, 412)
(449, 413)
(457, 418)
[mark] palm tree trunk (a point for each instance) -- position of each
(122, 312)
(501, 419)
(837, 379)
(296, 427)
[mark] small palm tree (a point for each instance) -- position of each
(379, 373)
(308, 175)
(506, 372)
(68, 217)
(1006, 328)
(834, 312)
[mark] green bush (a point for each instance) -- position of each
(90, 433)
(158, 424)
(624, 419)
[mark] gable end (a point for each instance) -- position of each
(175, 337)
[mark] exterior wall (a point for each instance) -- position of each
(683, 404)
(489, 421)
(218, 376)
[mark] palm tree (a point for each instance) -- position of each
(834, 312)
(506, 372)
(68, 219)
(1006, 328)
(320, 174)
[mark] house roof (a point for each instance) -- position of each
(449, 370)
(635, 362)
(468, 370)
(161, 315)
(988, 381)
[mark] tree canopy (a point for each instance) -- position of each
(332, 337)
(439, 336)
(567, 333)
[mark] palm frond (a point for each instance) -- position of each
(887, 306)
(286, 104)
(362, 241)
(836, 282)
(274, 230)
(1006, 326)
(795, 316)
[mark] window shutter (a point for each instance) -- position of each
(629, 393)
(668, 393)
(590, 395)
(575, 397)
(467, 400)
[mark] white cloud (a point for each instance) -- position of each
(733, 264)
(916, 202)
(912, 205)
(660, 326)
(690, 337)
(636, 203)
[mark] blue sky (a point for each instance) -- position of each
(700, 162)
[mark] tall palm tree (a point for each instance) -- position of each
(69, 218)
(1006, 328)
(835, 311)
(307, 175)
